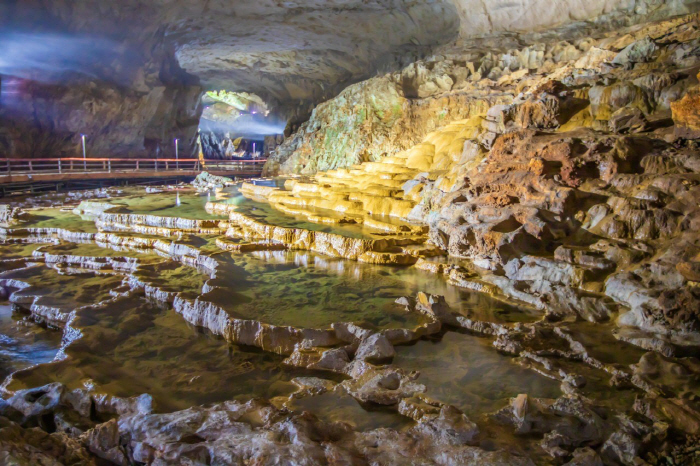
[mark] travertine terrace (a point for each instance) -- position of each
(476, 242)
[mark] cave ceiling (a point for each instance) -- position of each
(292, 51)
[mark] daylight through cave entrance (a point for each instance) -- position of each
(367, 232)
(237, 125)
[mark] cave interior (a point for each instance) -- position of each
(380, 232)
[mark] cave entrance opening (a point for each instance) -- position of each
(237, 126)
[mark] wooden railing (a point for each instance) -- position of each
(111, 165)
(235, 165)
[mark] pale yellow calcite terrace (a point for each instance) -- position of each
(369, 190)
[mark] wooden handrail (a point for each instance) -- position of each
(95, 159)
(75, 165)
(235, 161)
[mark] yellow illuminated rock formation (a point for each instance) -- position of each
(381, 196)
(364, 193)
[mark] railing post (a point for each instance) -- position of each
(156, 168)
(71, 166)
(166, 165)
(59, 165)
(109, 166)
(30, 166)
(137, 164)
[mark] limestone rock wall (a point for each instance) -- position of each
(129, 77)
(485, 65)
(46, 120)
(565, 173)
(525, 16)
(371, 120)
(128, 73)
(99, 70)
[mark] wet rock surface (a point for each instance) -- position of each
(111, 294)
(514, 283)
(207, 182)
(79, 405)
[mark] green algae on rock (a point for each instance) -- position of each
(491, 257)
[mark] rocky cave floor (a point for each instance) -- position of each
(520, 287)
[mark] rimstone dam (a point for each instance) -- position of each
(350, 232)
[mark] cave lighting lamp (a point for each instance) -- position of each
(82, 140)
(177, 163)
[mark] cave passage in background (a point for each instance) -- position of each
(237, 125)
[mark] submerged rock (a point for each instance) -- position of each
(10, 215)
(560, 177)
(384, 386)
(567, 423)
(35, 446)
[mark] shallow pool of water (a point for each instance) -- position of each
(132, 347)
(466, 371)
(266, 213)
(313, 291)
(173, 277)
(288, 287)
(17, 250)
(57, 218)
(23, 343)
(188, 205)
(601, 344)
(335, 406)
(65, 292)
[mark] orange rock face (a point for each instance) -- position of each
(686, 114)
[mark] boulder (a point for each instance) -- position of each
(375, 348)
(207, 182)
(567, 423)
(689, 270)
(641, 51)
(628, 120)
(105, 442)
(686, 114)
(585, 456)
(384, 386)
(36, 447)
(449, 427)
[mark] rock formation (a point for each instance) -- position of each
(485, 254)
(130, 75)
(552, 182)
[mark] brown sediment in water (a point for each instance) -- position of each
(251, 304)
(340, 364)
(513, 286)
